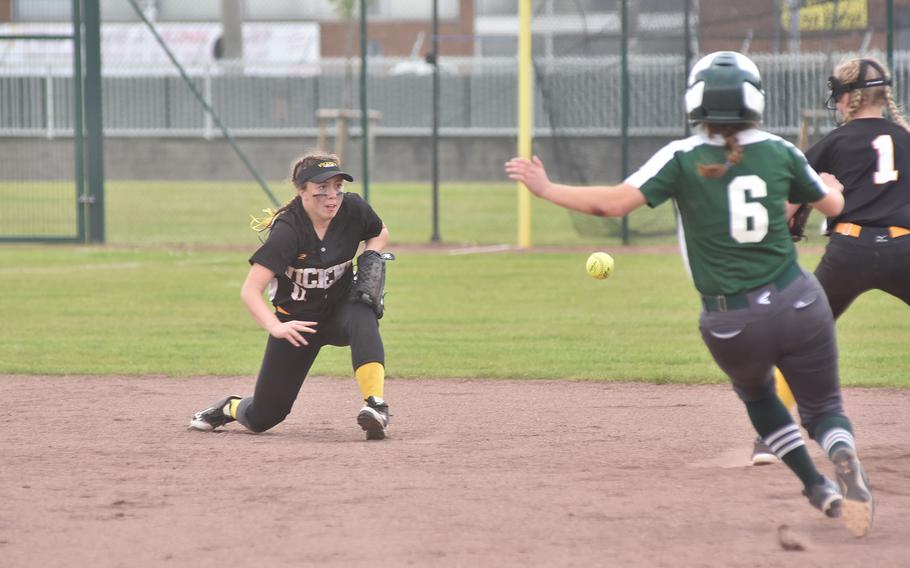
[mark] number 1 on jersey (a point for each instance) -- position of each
(884, 171)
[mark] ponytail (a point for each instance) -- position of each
(731, 143)
(895, 112)
(260, 224)
(849, 72)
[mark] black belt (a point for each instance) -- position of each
(741, 301)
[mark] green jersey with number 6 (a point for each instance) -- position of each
(733, 229)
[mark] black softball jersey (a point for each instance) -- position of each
(871, 158)
(313, 275)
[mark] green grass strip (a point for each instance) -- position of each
(117, 310)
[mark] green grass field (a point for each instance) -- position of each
(469, 214)
(530, 315)
(149, 304)
(178, 213)
(38, 209)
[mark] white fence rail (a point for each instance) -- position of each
(576, 97)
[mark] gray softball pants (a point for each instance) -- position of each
(791, 328)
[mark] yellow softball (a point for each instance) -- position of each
(599, 265)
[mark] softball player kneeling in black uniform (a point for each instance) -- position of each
(307, 265)
(731, 183)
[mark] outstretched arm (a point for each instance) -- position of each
(602, 200)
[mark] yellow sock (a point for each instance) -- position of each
(371, 378)
(783, 390)
(235, 402)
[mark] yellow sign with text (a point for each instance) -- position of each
(819, 15)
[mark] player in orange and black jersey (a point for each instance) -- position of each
(869, 247)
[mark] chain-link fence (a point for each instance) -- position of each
(274, 106)
(39, 192)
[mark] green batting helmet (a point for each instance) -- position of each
(724, 87)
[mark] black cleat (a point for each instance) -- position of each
(213, 416)
(374, 418)
(826, 497)
(762, 454)
(859, 506)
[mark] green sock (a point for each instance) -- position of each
(774, 424)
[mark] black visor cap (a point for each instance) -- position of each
(320, 172)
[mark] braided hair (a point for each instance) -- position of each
(848, 72)
(731, 143)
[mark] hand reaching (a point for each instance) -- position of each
(529, 172)
(292, 330)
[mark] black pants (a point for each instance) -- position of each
(791, 329)
(284, 367)
(873, 261)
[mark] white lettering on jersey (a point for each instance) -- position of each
(748, 218)
(306, 278)
(317, 277)
(273, 288)
(884, 171)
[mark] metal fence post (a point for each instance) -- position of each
(624, 127)
(94, 127)
(49, 102)
(78, 128)
(208, 132)
(364, 105)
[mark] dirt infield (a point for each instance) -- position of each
(101, 471)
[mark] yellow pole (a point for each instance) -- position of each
(525, 117)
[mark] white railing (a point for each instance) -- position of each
(573, 97)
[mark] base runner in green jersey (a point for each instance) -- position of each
(731, 183)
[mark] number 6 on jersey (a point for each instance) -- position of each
(742, 211)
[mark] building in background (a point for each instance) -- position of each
(581, 28)
(396, 27)
(792, 26)
(402, 28)
(294, 65)
(562, 28)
